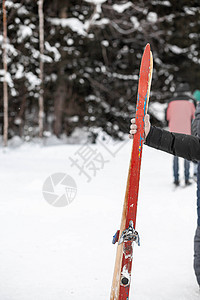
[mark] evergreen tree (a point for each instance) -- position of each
(92, 53)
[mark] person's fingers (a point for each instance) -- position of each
(133, 126)
(133, 121)
(133, 131)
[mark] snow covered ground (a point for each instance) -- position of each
(51, 253)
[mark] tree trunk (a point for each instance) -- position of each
(41, 93)
(60, 97)
(61, 91)
(5, 85)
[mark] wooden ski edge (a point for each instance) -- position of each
(118, 261)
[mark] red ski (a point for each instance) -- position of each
(127, 234)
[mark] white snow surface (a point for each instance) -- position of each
(53, 49)
(158, 109)
(152, 17)
(177, 50)
(95, 1)
(165, 3)
(23, 32)
(66, 253)
(74, 23)
(135, 22)
(120, 8)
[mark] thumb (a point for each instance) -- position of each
(146, 120)
(147, 124)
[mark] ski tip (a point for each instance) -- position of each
(146, 57)
(148, 47)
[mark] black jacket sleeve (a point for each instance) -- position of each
(196, 122)
(178, 144)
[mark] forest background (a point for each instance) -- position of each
(74, 65)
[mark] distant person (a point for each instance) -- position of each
(180, 113)
(196, 132)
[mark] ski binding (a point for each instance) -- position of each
(130, 234)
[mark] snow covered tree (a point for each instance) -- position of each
(91, 56)
(22, 77)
